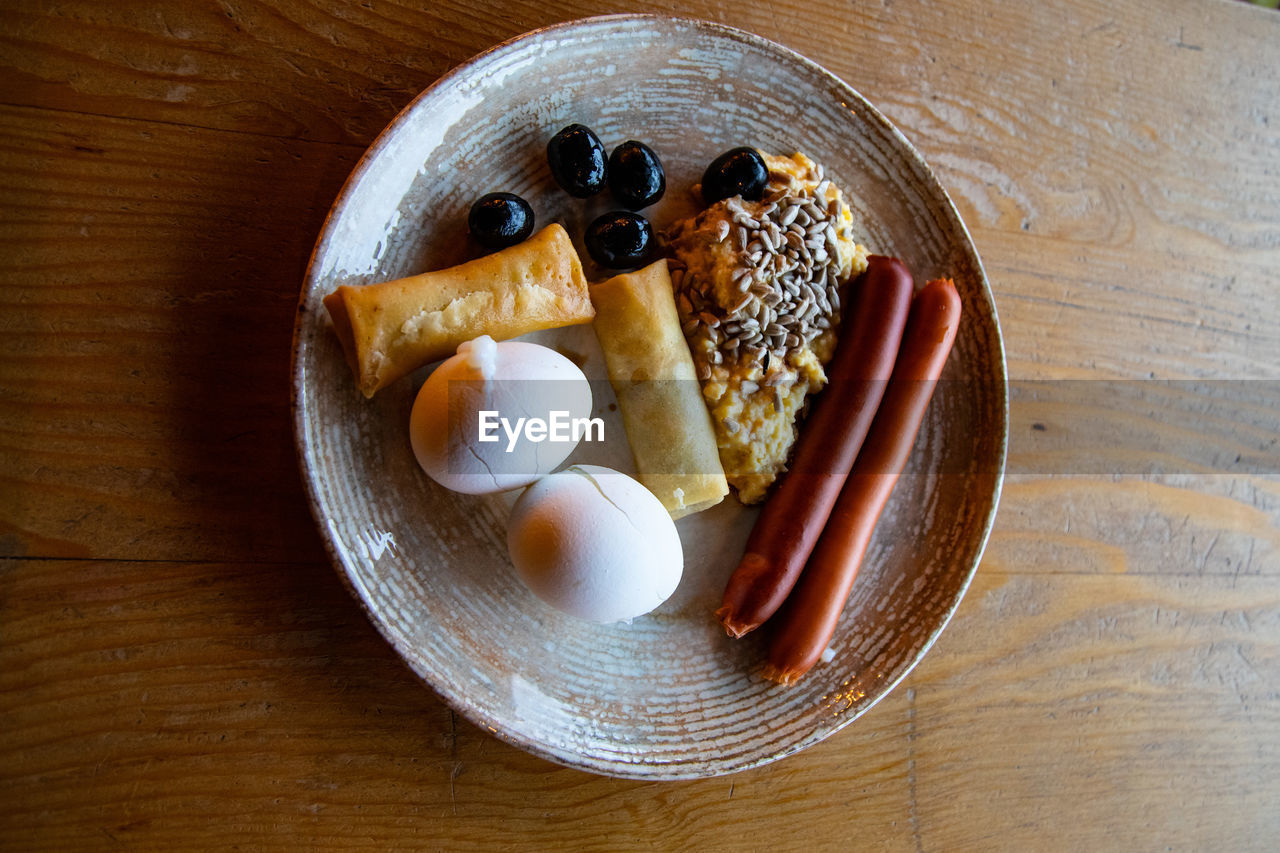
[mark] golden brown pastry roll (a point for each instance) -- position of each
(653, 377)
(390, 329)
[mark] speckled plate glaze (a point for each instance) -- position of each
(667, 696)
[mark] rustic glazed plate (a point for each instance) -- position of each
(667, 696)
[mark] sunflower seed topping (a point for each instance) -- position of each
(783, 290)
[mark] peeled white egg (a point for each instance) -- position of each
(596, 544)
(498, 416)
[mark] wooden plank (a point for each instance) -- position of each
(333, 71)
(147, 313)
(192, 705)
(1071, 310)
(1102, 712)
(1192, 525)
(251, 704)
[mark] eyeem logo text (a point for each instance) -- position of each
(559, 427)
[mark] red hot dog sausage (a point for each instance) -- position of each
(788, 527)
(806, 624)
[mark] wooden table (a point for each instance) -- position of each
(181, 668)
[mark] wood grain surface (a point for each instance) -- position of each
(180, 667)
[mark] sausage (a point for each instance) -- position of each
(788, 527)
(807, 622)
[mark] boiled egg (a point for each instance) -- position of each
(595, 543)
(497, 416)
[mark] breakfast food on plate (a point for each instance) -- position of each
(739, 171)
(653, 377)
(473, 424)
(390, 329)
(596, 544)
(713, 354)
(619, 240)
(788, 527)
(577, 160)
(499, 220)
(758, 288)
(808, 619)
(636, 177)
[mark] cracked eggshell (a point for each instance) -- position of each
(514, 379)
(596, 544)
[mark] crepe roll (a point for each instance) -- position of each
(653, 377)
(390, 329)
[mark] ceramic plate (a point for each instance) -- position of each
(667, 696)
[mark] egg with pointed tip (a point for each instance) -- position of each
(498, 415)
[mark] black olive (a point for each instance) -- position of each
(635, 175)
(619, 240)
(577, 161)
(739, 171)
(498, 220)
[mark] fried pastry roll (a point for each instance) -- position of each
(390, 329)
(653, 377)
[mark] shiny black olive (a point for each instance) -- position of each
(635, 175)
(577, 161)
(619, 240)
(739, 171)
(498, 220)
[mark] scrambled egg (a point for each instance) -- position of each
(759, 302)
